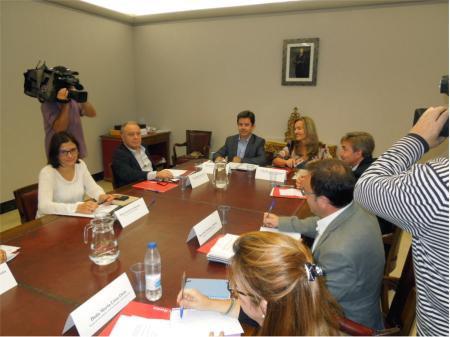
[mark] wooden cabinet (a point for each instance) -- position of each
(157, 144)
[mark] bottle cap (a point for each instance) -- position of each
(151, 245)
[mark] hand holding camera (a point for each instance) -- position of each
(430, 125)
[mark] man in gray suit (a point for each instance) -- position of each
(347, 240)
(244, 147)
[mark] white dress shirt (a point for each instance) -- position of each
(323, 224)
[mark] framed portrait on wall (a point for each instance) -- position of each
(300, 57)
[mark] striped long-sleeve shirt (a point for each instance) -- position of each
(415, 198)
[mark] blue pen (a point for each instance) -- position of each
(272, 205)
(183, 284)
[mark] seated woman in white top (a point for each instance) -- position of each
(65, 181)
(304, 148)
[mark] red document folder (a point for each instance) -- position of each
(276, 193)
(137, 309)
(208, 245)
(155, 186)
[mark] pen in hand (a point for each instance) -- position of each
(183, 284)
(272, 205)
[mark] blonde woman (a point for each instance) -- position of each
(304, 148)
(274, 282)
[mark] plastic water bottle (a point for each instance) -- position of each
(152, 262)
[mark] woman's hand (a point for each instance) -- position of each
(193, 299)
(105, 198)
(87, 207)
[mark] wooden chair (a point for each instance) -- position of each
(402, 312)
(391, 243)
(27, 202)
(197, 146)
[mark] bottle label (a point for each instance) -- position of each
(153, 282)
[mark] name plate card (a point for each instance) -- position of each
(267, 173)
(131, 212)
(197, 179)
(7, 280)
(100, 308)
(206, 228)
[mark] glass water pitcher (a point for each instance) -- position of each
(220, 178)
(104, 248)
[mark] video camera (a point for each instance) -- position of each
(44, 83)
(443, 89)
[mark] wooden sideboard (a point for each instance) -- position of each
(157, 144)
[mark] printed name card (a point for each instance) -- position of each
(267, 173)
(208, 167)
(197, 179)
(7, 280)
(131, 212)
(100, 308)
(206, 228)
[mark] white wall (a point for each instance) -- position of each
(100, 49)
(376, 65)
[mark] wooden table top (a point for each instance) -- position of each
(55, 275)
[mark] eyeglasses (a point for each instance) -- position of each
(235, 292)
(305, 193)
(72, 152)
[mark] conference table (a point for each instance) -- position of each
(55, 275)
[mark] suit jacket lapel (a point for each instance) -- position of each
(249, 147)
(342, 218)
(234, 147)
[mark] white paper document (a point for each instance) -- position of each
(201, 323)
(11, 251)
(136, 326)
(242, 166)
(222, 251)
(267, 173)
(177, 173)
(7, 280)
(103, 208)
(294, 235)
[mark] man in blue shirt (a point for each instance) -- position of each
(244, 147)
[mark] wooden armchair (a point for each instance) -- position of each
(27, 202)
(401, 314)
(197, 146)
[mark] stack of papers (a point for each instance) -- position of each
(294, 235)
(103, 208)
(222, 251)
(177, 173)
(242, 166)
(282, 192)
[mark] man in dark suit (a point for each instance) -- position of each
(244, 147)
(356, 150)
(347, 240)
(130, 161)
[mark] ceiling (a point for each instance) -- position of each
(278, 7)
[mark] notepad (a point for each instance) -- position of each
(294, 235)
(222, 251)
(213, 288)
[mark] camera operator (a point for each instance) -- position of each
(65, 115)
(415, 198)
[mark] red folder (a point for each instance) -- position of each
(208, 245)
(155, 186)
(276, 194)
(137, 309)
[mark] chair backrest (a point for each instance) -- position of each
(27, 202)
(113, 180)
(402, 311)
(198, 141)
